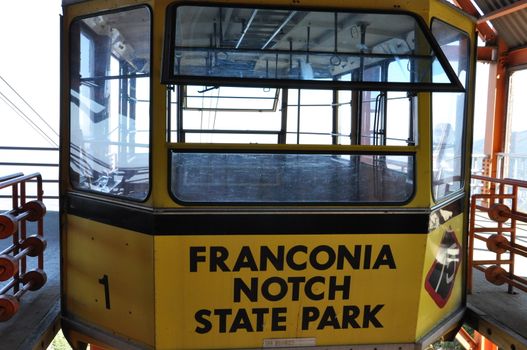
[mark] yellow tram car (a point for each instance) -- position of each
(264, 174)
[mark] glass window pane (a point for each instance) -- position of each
(110, 103)
(398, 127)
(516, 107)
(448, 114)
(344, 117)
(480, 110)
(291, 178)
(387, 116)
(311, 121)
(281, 44)
(515, 160)
(230, 98)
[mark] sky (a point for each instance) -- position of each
(29, 62)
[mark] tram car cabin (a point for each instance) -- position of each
(264, 174)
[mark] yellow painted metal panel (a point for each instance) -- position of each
(93, 251)
(200, 306)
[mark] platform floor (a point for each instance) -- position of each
(510, 310)
(494, 303)
(39, 310)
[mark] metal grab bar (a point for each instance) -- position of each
(13, 259)
(500, 201)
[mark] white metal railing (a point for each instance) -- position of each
(514, 166)
(478, 163)
(44, 160)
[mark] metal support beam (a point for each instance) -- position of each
(246, 28)
(517, 57)
(504, 11)
(500, 111)
(487, 53)
(486, 32)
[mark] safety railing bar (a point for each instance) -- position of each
(470, 259)
(480, 237)
(482, 208)
(512, 249)
(9, 177)
(11, 148)
(44, 181)
(32, 197)
(492, 262)
(8, 286)
(29, 164)
(19, 179)
(9, 249)
(520, 279)
(518, 215)
(492, 196)
(492, 229)
(513, 283)
(506, 181)
(479, 267)
(515, 182)
(519, 247)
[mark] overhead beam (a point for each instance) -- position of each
(504, 11)
(486, 32)
(500, 104)
(487, 53)
(517, 57)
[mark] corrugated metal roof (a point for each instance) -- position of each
(512, 28)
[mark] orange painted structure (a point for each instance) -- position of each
(499, 198)
(474, 342)
(14, 266)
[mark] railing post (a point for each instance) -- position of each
(471, 243)
(513, 235)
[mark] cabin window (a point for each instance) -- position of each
(258, 46)
(449, 114)
(290, 178)
(278, 106)
(110, 103)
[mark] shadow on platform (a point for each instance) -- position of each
(498, 315)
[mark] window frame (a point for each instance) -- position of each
(191, 148)
(464, 148)
(168, 76)
(71, 44)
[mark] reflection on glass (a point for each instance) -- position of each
(291, 178)
(110, 103)
(278, 44)
(448, 114)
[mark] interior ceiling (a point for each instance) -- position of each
(511, 26)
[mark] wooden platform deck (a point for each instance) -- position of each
(37, 320)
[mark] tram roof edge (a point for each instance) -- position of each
(446, 2)
(459, 10)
